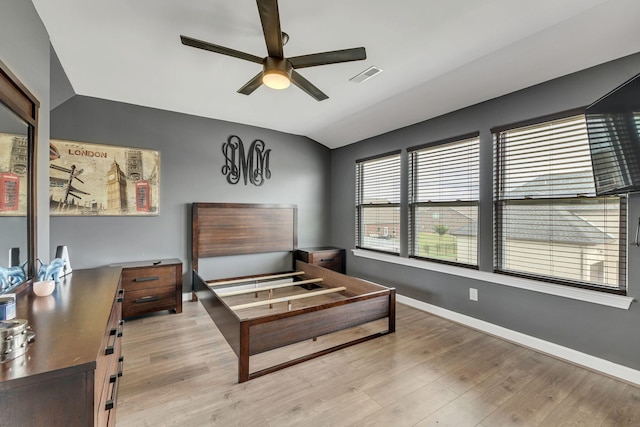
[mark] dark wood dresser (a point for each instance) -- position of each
(151, 286)
(324, 256)
(69, 375)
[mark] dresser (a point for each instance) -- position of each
(69, 374)
(151, 286)
(324, 256)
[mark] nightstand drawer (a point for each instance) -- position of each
(147, 300)
(328, 259)
(151, 277)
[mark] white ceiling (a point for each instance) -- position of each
(437, 56)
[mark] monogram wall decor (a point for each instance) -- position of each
(252, 167)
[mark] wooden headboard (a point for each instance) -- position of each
(220, 229)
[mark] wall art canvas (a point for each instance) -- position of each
(92, 179)
(13, 174)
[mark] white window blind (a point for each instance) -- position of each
(549, 224)
(378, 203)
(443, 200)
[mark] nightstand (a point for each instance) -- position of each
(151, 286)
(324, 256)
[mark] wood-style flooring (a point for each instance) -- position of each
(179, 371)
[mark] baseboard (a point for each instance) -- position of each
(603, 366)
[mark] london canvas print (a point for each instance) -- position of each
(13, 175)
(88, 179)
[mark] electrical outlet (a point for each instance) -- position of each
(473, 294)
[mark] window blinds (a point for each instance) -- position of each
(548, 222)
(443, 200)
(378, 203)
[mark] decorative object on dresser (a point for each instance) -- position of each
(62, 252)
(70, 373)
(15, 335)
(151, 286)
(324, 256)
(43, 288)
(50, 271)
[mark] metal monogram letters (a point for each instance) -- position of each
(255, 164)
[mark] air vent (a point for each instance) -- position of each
(366, 74)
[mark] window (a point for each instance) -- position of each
(549, 224)
(443, 200)
(378, 203)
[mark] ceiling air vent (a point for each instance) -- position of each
(366, 74)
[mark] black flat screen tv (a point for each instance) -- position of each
(613, 126)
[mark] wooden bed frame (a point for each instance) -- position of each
(302, 312)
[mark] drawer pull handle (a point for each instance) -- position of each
(146, 299)
(110, 348)
(113, 381)
(110, 403)
(326, 259)
(120, 297)
(146, 279)
(121, 365)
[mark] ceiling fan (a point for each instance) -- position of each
(278, 72)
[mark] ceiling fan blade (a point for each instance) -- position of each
(332, 57)
(270, 19)
(307, 86)
(251, 85)
(188, 41)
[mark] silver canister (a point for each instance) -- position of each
(15, 334)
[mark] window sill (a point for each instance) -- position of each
(611, 300)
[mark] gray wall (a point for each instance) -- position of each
(190, 171)
(61, 89)
(609, 333)
(24, 48)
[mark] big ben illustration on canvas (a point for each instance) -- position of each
(95, 179)
(116, 189)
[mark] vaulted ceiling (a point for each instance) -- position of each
(437, 56)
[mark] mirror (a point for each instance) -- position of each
(13, 199)
(18, 121)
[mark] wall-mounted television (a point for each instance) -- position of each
(613, 126)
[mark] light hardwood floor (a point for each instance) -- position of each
(179, 371)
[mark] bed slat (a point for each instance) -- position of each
(286, 299)
(267, 288)
(256, 279)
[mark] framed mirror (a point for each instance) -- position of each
(18, 130)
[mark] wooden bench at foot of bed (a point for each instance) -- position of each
(357, 302)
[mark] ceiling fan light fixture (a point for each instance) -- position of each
(277, 73)
(275, 79)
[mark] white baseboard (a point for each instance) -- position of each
(603, 366)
